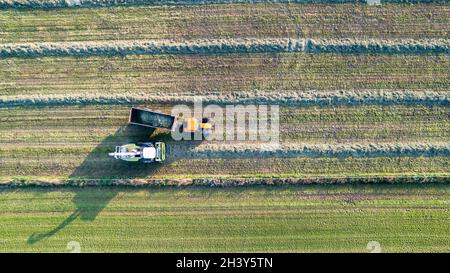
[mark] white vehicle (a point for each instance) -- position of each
(144, 152)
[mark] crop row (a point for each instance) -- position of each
(225, 22)
(17, 4)
(111, 48)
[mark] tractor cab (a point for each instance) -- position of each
(192, 125)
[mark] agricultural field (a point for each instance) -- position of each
(407, 218)
(364, 117)
(71, 142)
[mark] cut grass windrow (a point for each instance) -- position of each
(67, 126)
(18, 4)
(274, 75)
(222, 46)
(303, 98)
(264, 150)
(49, 164)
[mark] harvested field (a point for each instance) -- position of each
(364, 117)
(63, 169)
(54, 125)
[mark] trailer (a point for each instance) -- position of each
(153, 119)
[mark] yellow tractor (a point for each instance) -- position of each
(192, 125)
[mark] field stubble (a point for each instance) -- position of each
(58, 141)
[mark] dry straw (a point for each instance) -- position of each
(222, 182)
(225, 46)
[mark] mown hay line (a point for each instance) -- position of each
(20, 4)
(111, 48)
(290, 98)
(353, 46)
(264, 150)
(225, 46)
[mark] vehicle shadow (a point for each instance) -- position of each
(97, 166)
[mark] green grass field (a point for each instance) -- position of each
(402, 218)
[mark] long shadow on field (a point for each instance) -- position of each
(99, 165)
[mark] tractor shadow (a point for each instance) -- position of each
(97, 165)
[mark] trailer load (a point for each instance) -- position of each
(152, 119)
